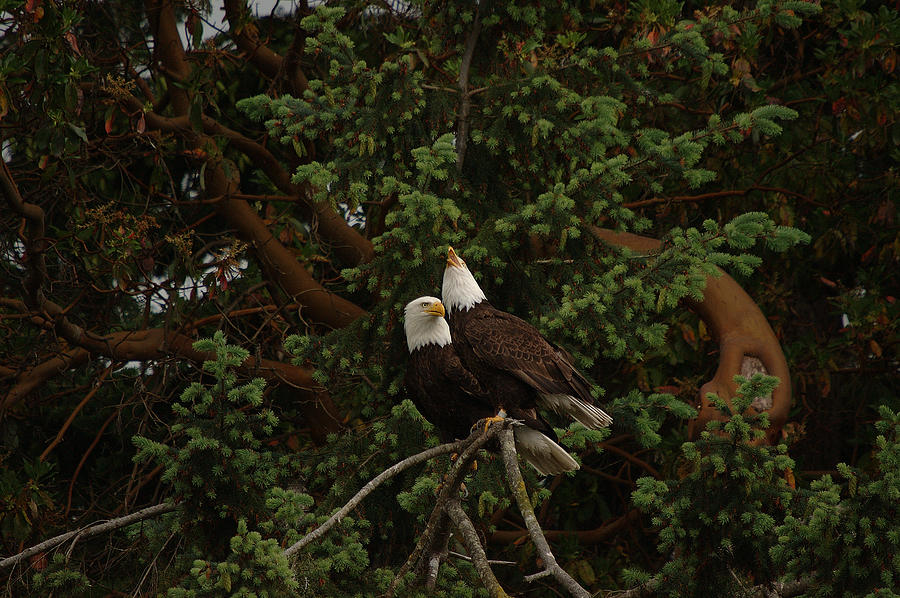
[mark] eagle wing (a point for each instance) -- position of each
(510, 344)
(454, 372)
(445, 392)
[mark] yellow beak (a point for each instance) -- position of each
(435, 309)
(453, 259)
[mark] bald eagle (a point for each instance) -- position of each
(452, 399)
(517, 366)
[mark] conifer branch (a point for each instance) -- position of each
(385, 475)
(740, 328)
(88, 531)
(517, 487)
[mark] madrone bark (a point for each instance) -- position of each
(746, 341)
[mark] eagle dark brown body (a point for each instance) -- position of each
(452, 399)
(519, 368)
(445, 392)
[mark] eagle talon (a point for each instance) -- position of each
(488, 421)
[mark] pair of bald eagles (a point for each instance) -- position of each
(487, 362)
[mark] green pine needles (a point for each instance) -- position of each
(234, 512)
(844, 538)
(734, 520)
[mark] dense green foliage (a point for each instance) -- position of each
(756, 137)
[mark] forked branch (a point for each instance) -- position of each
(385, 475)
(520, 492)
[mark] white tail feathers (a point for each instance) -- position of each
(547, 457)
(589, 415)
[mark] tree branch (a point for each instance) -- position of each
(169, 51)
(34, 240)
(291, 65)
(465, 99)
(517, 487)
(348, 243)
(449, 488)
(279, 263)
(712, 195)
(246, 35)
(158, 343)
(351, 246)
(385, 475)
(778, 589)
(585, 537)
(31, 379)
(62, 431)
(88, 531)
(470, 539)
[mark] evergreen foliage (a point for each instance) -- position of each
(844, 536)
(717, 519)
(228, 485)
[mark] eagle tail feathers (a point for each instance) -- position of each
(589, 415)
(546, 456)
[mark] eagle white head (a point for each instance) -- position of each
(424, 323)
(460, 290)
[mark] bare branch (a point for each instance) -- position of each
(158, 343)
(348, 243)
(585, 537)
(169, 51)
(466, 557)
(246, 36)
(89, 530)
(450, 488)
(778, 589)
(369, 487)
(517, 487)
(470, 539)
(62, 431)
(34, 240)
(713, 195)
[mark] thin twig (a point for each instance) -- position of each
(89, 530)
(470, 538)
(84, 458)
(777, 589)
(517, 487)
(62, 431)
(466, 557)
(369, 487)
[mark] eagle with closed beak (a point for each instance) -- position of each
(452, 399)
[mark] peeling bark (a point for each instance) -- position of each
(743, 333)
